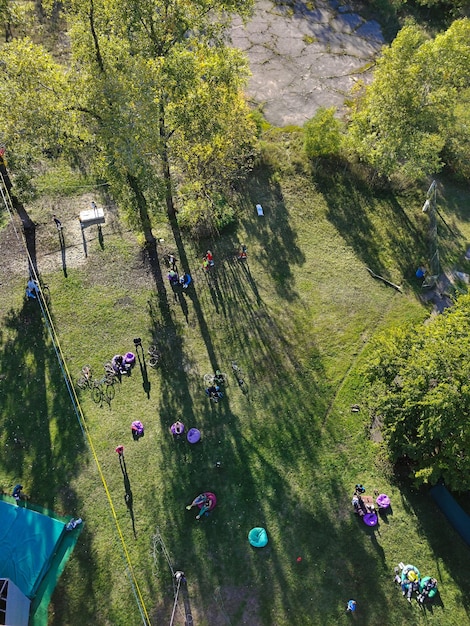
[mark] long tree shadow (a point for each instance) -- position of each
(277, 240)
(351, 206)
(42, 441)
(434, 526)
(237, 484)
(31, 380)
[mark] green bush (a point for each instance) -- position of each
(322, 134)
(203, 216)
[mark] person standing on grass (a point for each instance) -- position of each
(242, 252)
(17, 492)
(172, 261)
(32, 289)
(57, 222)
(210, 258)
(351, 606)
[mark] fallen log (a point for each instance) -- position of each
(397, 287)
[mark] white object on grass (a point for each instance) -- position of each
(259, 208)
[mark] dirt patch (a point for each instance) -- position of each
(63, 250)
(228, 605)
(376, 429)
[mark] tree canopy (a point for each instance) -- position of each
(420, 391)
(149, 99)
(407, 115)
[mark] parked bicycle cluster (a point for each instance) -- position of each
(102, 389)
(215, 383)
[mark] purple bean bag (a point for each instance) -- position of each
(370, 519)
(194, 435)
(383, 501)
(210, 496)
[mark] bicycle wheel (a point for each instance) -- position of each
(109, 378)
(152, 351)
(45, 293)
(154, 361)
(208, 379)
(220, 378)
(82, 382)
(110, 392)
(108, 368)
(97, 395)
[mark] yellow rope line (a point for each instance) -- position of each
(81, 417)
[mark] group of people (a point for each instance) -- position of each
(361, 507)
(207, 261)
(214, 393)
(120, 365)
(184, 280)
(410, 583)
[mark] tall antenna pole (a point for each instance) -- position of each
(430, 206)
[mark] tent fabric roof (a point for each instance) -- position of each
(27, 544)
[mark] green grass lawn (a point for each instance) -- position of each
(298, 318)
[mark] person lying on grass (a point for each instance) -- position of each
(201, 499)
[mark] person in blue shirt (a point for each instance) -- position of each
(17, 492)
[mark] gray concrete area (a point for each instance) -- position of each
(303, 58)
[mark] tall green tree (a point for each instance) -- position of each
(405, 117)
(174, 56)
(134, 99)
(420, 390)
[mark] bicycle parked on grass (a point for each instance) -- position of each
(219, 378)
(85, 381)
(103, 390)
(110, 372)
(154, 355)
(238, 375)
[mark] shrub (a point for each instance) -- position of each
(322, 134)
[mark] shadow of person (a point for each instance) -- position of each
(251, 282)
(187, 604)
(183, 303)
(384, 513)
(62, 251)
(100, 237)
(143, 368)
(128, 497)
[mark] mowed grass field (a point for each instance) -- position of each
(298, 318)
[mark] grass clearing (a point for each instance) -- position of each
(297, 318)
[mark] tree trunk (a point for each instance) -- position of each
(142, 207)
(99, 58)
(29, 227)
(170, 206)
